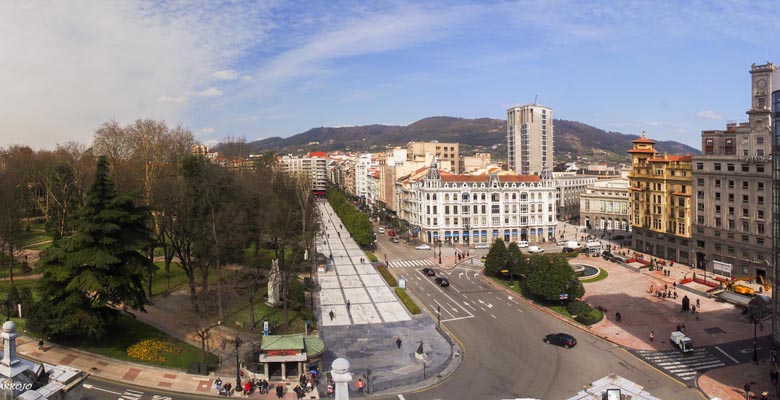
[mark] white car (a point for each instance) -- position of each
(535, 250)
(521, 244)
(381, 230)
(482, 246)
(423, 247)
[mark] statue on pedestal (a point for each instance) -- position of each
(274, 284)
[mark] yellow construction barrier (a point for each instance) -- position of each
(744, 290)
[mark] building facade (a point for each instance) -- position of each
(445, 153)
(733, 179)
(568, 188)
(467, 209)
(774, 93)
(529, 136)
(660, 202)
(604, 206)
(314, 166)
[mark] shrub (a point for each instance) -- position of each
(371, 256)
(408, 302)
(152, 350)
(389, 278)
(585, 314)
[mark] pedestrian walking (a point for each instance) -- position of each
(675, 295)
(697, 314)
(652, 335)
(279, 391)
(698, 304)
(398, 342)
(674, 285)
(40, 344)
(747, 391)
(764, 395)
(348, 305)
(332, 314)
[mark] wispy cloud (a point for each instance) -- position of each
(210, 92)
(225, 75)
(709, 114)
(83, 63)
(172, 99)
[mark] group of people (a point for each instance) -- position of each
(249, 386)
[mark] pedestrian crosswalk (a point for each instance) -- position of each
(683, 366)
(410, 263)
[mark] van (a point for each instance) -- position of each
(522, 244)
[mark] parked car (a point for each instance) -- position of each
(482, 246)
(607, 255)
(442, 281)
(381, 230)
(429, 271)
(522, 244)
(535, 250)
(423, 247)
(561, 339)
(562, 242)
(569, 249)
(394, 239)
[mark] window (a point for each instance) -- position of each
(731, 184)
(745, 226)
(761, 230)
(731, 224)
(717, 209)
(700, 194)
(759, 240)
(699, 166)
(446, 221)
(760, 140)
(717, 196)
(435, 211)
(730, 249)
(760, 186)
(700, 181)
(731, 210)
(718, 222)
(484, 209)
(717, 183)
(745, 198)
(728, 148)
(759, 168)
(709, 146)
(446, 209)
(495, 209)
(717, 165)
(700, 206)
(730, 167)
(745, 168)
(745, 213)
(760, 200)
(700, 243)
(700, 219)
(717, 246)
(494, 197)
(745, 186)
(731, 197)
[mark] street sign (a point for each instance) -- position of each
(563, 296)
(402, 283)
(265, 328)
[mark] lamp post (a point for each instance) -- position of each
(468, 234)
(237, 342)
(440, 244)
(510, 267)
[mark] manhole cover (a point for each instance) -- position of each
(714, 330)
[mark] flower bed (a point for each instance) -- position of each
(152, 350)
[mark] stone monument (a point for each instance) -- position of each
(340, 373)
(274, 284)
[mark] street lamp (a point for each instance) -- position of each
(237, 342)
(468, 234)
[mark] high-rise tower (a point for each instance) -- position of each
(529, 135)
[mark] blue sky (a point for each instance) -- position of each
(262, 69)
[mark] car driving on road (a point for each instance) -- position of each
(429, 271)
(561, 339)
(482, 246)
(423, 247)
(442, 281)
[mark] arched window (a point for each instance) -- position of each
(446, 197)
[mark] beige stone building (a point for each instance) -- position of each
(529, 132)
(733, 184)
(446, 153)
(604, 206)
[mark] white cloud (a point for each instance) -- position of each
(210, 92)
(210, 143)
(709, 114)
(81, 64)
(247, 78)
(172, 99)
(225, 75)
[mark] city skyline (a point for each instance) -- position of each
(262, 69)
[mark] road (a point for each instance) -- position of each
(504, 356)
(96, 389)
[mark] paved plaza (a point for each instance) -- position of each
(351, 288)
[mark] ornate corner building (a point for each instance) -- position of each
(660, 202)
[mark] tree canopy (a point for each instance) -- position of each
(98, 266)
(550, 276)
(496, 258)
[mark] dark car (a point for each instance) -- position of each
(561, 339)
(429, 271)
(607, 255)
(442, 281)
(568, 250)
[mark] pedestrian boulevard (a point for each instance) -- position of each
(422, 263)
(352, 292)
(683, 366)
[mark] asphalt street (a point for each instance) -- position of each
(96, 389)
(504, 355)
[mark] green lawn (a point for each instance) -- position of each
(18, 271)
(160, 281)
(239, 316)
(6, 285)
(39, 246)
(33, 236)
(127, 332)
(602, 275)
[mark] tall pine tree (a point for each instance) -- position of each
(99, 267)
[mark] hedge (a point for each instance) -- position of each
(371, 256)
(408, 302)
(389, 278)
(585, 313)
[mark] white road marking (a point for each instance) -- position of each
(492, 315)
(519, 310)
(401, 397)
(466, 303)
(456, 319)
(727, 355)
(88, 386)
(460, 275)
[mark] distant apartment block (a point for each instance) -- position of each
(733, 186)
(314, 166)
(476, 162)
(660, 199)
(448, 154)
(529, 138)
